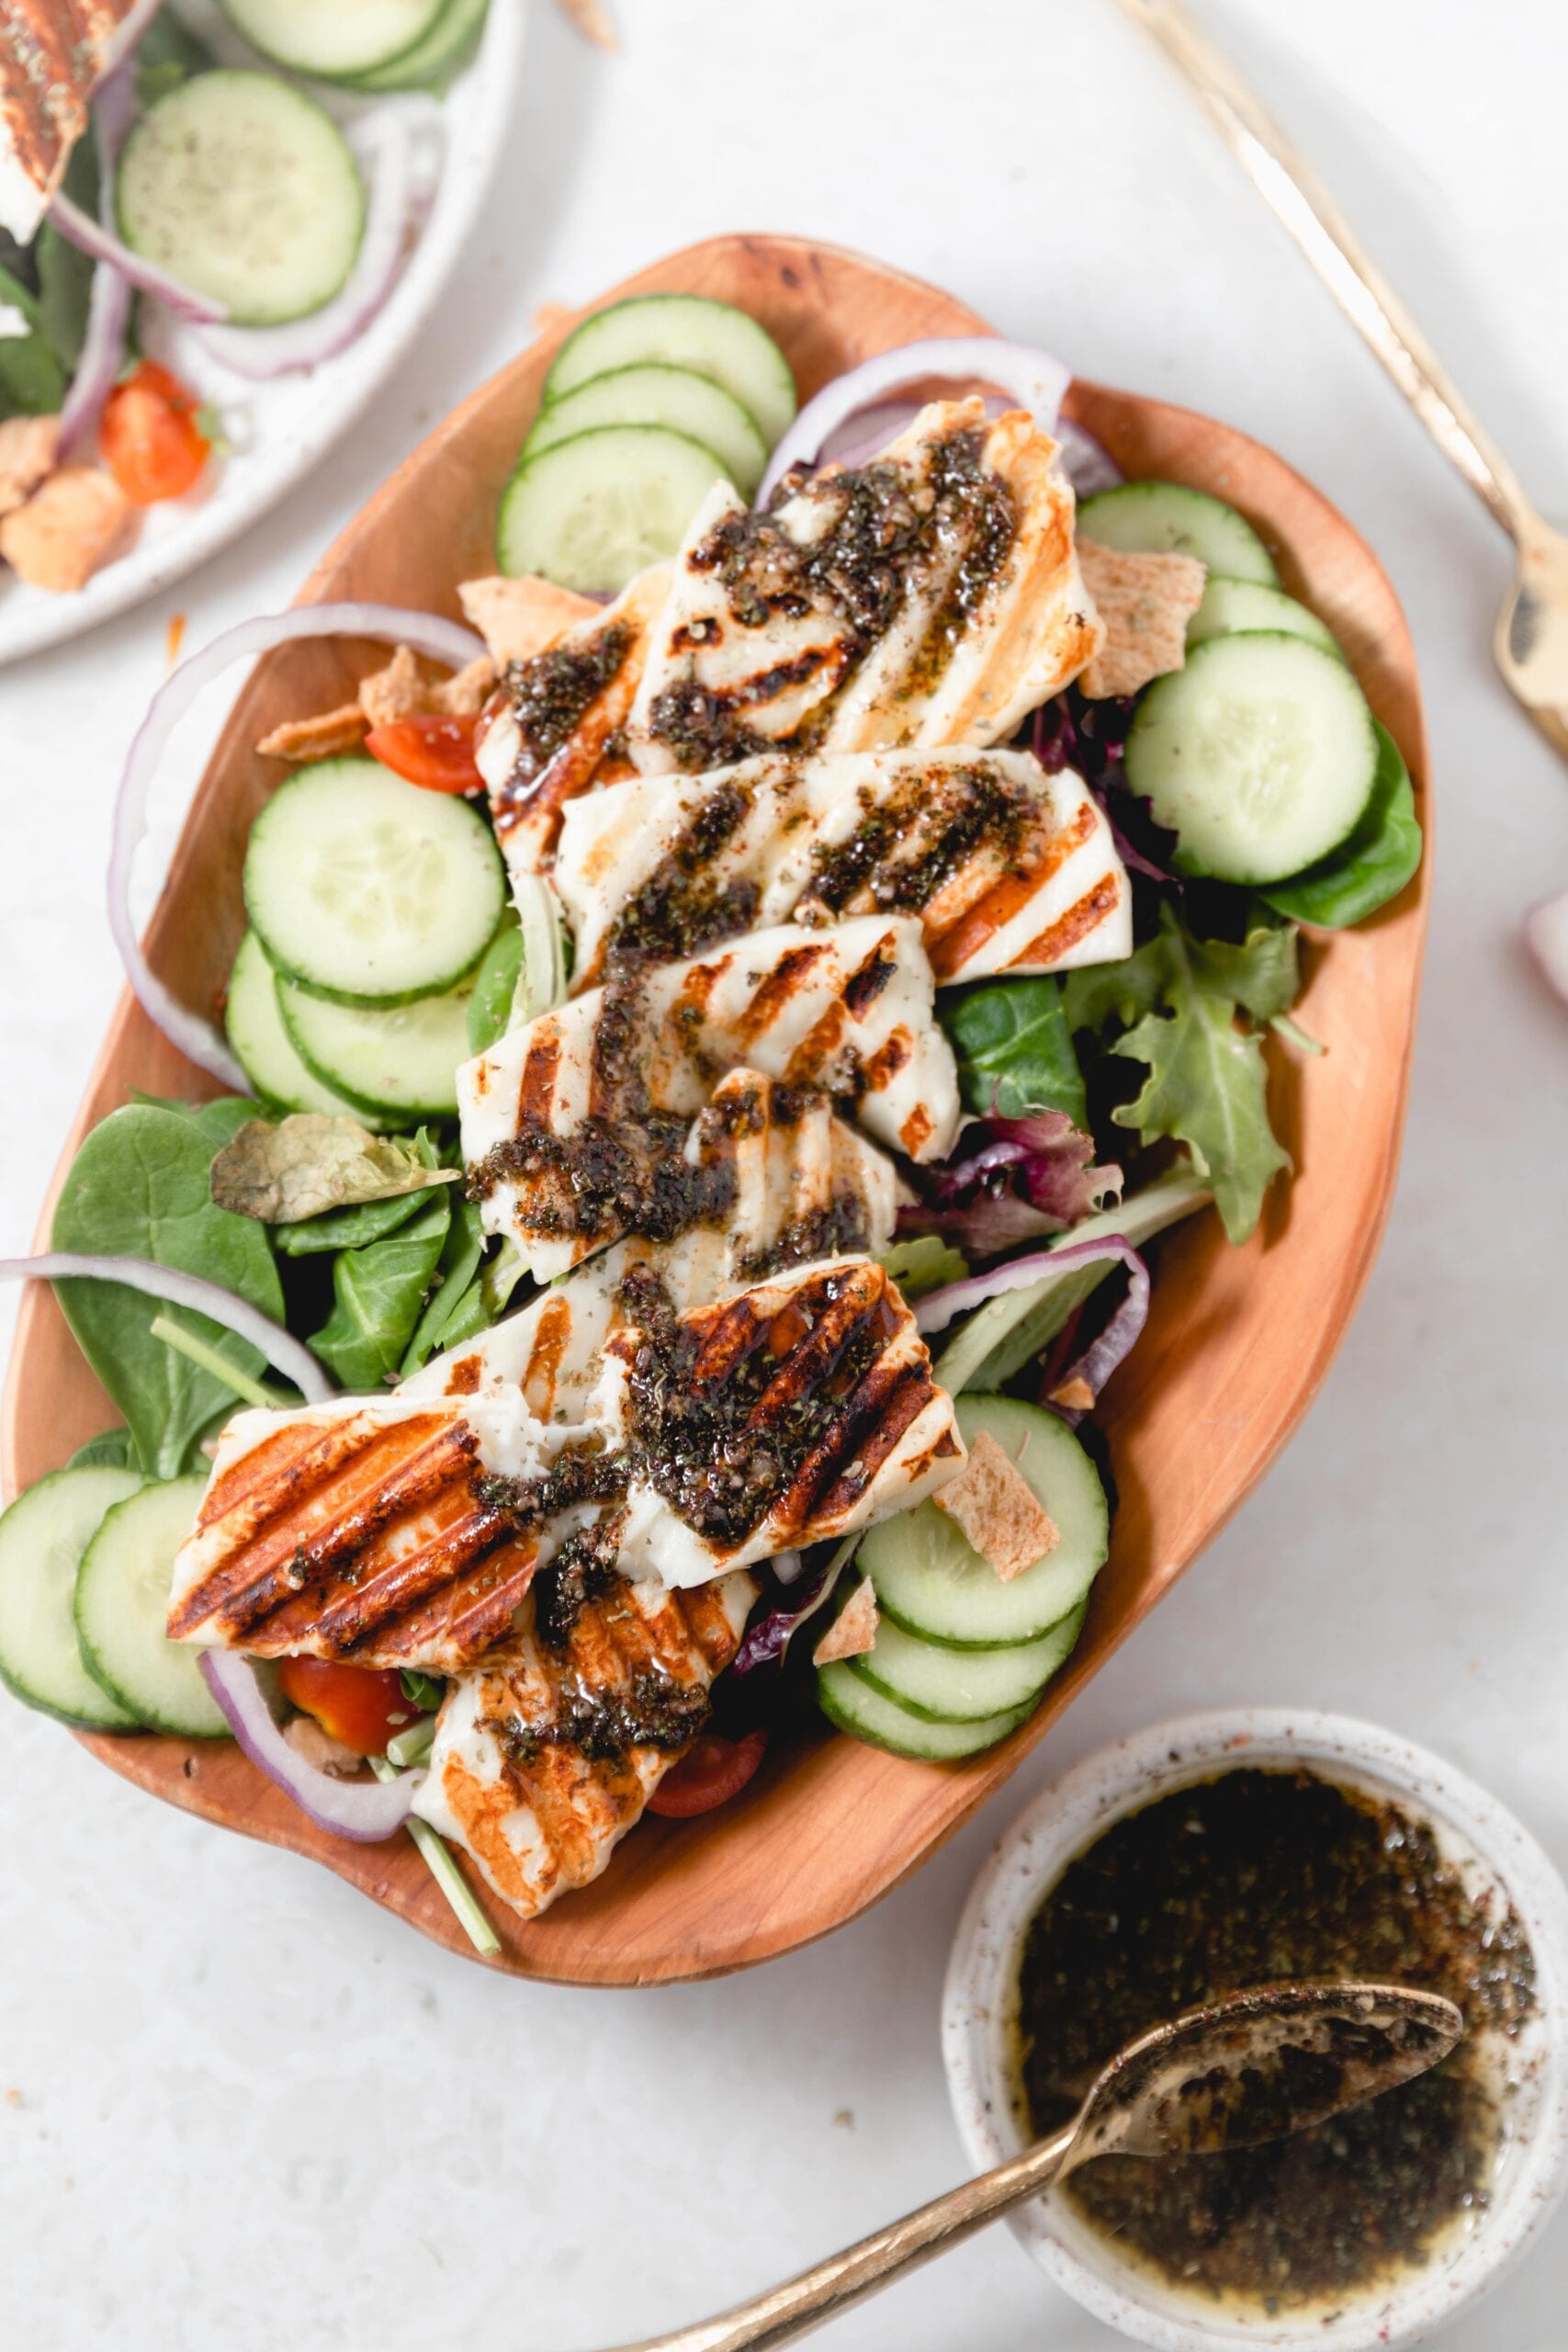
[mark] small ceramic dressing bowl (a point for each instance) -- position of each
(1495, 1856)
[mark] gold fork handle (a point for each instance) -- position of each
(820, 2294)
(1354, 279)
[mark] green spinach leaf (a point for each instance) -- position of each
(361, 1222)
(114, 1447)
(138, 1188)
(489, 1007)
(1372, 865)
(167, 54)
(1014, 1050)
(32, 382)
(456, 1288)
(379, 1293)
(219, 1120)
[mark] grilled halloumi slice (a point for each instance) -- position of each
(353, 1531)
(791, 1413)
(931, 596)
(539, 1770)
(552, 726)
(804, 1186)
(52, 55)
(1009, 869)
(574, 1126)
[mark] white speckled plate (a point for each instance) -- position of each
(979, 2021)
(282, 428)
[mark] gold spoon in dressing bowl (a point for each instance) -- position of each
(1252, 2068)
(1531, 641)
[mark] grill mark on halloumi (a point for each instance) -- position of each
(984, 848)
(792, 1413)
(931, 596)
(551, 729)
(614, 1078)
(539, 1813)
(351, 1532)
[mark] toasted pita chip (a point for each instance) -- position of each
(28, 446)
(73, 523)
(996, 1508)
(853, 1631)
(1145, 603)
(321, 738)
(517, 618)
(466, 695)
(1076, 1394)
(396, 692)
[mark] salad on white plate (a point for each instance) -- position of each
(202, 289)
(707, 1059)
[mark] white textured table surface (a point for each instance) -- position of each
(241, 2109)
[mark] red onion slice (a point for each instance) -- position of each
(282, 1350)
(108, 304)
(1114, 1341)
(938, 1309)
(368, 1811)
(1546, 936)
(1034, 379)
(1087, 463)
(427, 633)
(91, 237)
(384, 142)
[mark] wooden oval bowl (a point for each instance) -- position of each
(1238, 1340)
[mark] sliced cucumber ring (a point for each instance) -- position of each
(262, 1045)
(449, 44)
(1232, 607)
(1167, 518)
(594, 512)
(397, 1062)
(947, 1685)
(42, 1538)
(852, 1703)
(1260, 755)
(682, 331)
(334, 42)
(652, 393)
(244, 189)
(122, 1604)
(366, 889)
(929, 1581)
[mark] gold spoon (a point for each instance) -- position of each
(1251, 2068)
(1531, 641)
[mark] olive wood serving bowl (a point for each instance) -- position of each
(1238, 1340)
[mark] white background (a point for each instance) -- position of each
(244, 2110)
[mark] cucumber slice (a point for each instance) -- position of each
(367, 890)
(262, 1045)
(682, 331)
(447, 45)
(245, 189)
(397, 1063)
(655, 394)
(852, 1703)
(594, 512)
(1167, 518)
(122, 1602)
(42, 1538)
(335, 42)
(930, 1582)
(1232, 607)
(946, 1686)
(1260, 755)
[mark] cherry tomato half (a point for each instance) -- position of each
(362, 1706)
(150, 441)
(432, 750)
(709, 1774)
